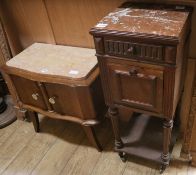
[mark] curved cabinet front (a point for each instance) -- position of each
(29, 92)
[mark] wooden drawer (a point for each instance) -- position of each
(136, 86)
(139, 51)
(28, 92)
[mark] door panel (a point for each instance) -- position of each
(136, 86)
(29, 92)
(65, 99)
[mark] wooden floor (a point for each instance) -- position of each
(62, 148)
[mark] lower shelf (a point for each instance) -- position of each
(142, 137)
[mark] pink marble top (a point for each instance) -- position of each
(145, 21)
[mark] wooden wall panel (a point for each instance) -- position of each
(10, 29)
(189, 141)
(192, 51)
(64, 22)
(1, 58)
(187, 95)
(193, 144)
(72, 20)
(30, 20)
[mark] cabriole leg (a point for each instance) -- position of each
(90, 133)
(123, 156)
(34, 118)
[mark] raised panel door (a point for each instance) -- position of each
(136, 86)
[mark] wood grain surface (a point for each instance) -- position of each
(62, 148)
(61, 22)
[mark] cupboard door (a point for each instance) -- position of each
(63, 99)
(136, 86)
(29, 92)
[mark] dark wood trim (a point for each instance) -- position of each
(45, 96)
(168, 94)
(149, 37)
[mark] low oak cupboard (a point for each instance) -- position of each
(60, 82)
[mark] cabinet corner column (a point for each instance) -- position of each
(167, 129)
(114, 116)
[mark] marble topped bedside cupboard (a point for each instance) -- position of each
(141, 51)
(60, 82)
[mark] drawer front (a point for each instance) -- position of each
(136, 86)
(28, 92)
(140, 51)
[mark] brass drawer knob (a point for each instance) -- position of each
(35, 96)
(133, 71)
(52, 100)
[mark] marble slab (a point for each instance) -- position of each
(72, 62)
(145, 21)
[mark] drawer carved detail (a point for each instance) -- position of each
(99, 45)
(128, 49)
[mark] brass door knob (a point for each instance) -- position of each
(35, 96)
(130, 50)
(52, 100)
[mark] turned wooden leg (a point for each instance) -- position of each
(90, 133)
(20, 113)
(114, 115)
(123, 156)
(34, 118)
(167, 129)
